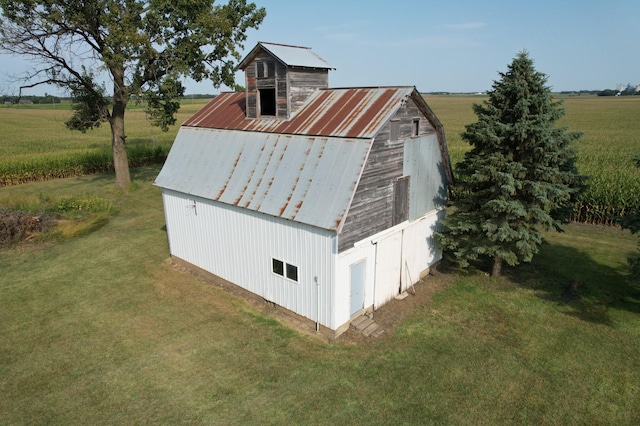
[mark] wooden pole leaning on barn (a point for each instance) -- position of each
(315, 279)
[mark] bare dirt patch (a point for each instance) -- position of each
(391, 315)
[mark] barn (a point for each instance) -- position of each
(321, 200)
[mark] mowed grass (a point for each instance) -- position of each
(100, 329)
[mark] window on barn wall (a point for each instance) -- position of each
(265, 69)
(277, 266)
(267, 101)
(415, 127)
(292, 272)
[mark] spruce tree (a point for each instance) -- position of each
(519, 178)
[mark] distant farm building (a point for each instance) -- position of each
(322, 201)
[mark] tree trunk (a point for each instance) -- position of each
(118, 137)
(497, 266)
(120, 160)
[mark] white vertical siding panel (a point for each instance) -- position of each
(238, 245)
(428, 187)
(395, 258)
(419, 247)
(367, 252)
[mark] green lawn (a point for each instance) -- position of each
(100, 329)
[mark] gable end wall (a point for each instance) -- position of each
(303, 83)
(293, 86)
(371, 210)
(277, 81)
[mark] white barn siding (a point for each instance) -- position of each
(196, 227)
(428, 187)
(395, 259)
(419, 247)
(366, 252)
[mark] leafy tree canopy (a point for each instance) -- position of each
(519, 178)
(143, 47)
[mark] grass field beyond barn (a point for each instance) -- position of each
(611, 136)
(100, 329)
(35, 144)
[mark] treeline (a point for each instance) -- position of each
(630, 90)
(49, 99)
(46, 99)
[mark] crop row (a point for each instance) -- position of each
(55, 166)
(611, 194)
(608, 198)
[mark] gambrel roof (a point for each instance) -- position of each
(349, 113)
(304, 169)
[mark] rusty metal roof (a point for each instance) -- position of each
(293, 56)
(286, 168)
(307, 179)
(348, 113)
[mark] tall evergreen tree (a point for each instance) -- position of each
(519, 178)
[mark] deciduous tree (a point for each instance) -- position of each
(143, 48)
(519, 178)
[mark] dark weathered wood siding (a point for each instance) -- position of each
(302, 84)
(372, 208)
(293, 86)
(277, 81)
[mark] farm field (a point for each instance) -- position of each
(34, 140)
(100, 329)
(36, 145)
(611, 136)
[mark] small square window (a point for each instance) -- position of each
(292, 272)
(265, 69)
(278, 267)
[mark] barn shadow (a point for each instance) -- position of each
(439, 200)
(572, 278)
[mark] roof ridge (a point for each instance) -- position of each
(284, 45)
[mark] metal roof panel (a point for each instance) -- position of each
(292, 56)
(349, 112)
(286, 176)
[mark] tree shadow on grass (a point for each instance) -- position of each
(571, 277)
(138, 174)
(146, 173)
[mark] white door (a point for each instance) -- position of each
(357, 286)
(388, 268)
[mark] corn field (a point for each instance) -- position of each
(611, 137)
(35, 145)
(55, 166)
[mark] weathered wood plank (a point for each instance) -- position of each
(372, 208)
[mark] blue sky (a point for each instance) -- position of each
(455, 46)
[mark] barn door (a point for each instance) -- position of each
(357, 286)
(388, 268)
